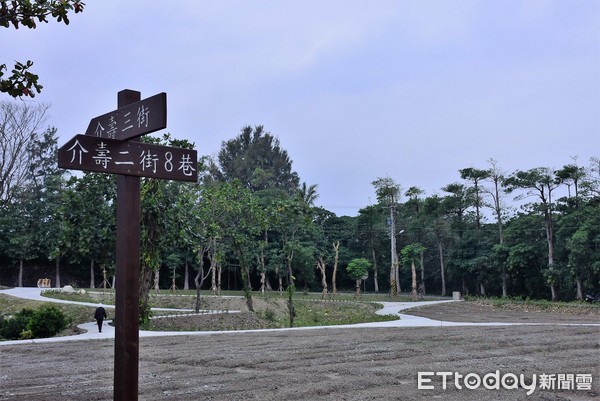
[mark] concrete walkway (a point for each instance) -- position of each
(389, 308)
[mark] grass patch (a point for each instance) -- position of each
(91, 296)
(319, 313)
(270, 310)
(537, 305)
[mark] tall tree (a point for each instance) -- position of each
(416, 223)
(411, 254)
(21, 219)
(388, 191)
(309, 194)
(90, 221)
(208, 228)
(257, 160)
(180, 239)
(368, 226)
(32, 205)
(241, 226)
(439, 229)
(456, 204)
(496, 176)
(476, 176)
(584, 252)
(571, 175)
(20, 124)
(540, 183)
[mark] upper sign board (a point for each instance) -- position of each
(129, 158)
(134, 120)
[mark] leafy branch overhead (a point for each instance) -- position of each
(21, 82)
(27, 13)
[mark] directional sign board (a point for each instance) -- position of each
(136, 119)
(105, 155)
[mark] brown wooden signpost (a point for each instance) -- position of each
(106, 148)
(128, 158)
(133, 120)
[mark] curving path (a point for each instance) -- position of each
(389, 308)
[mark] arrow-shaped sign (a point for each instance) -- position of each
(136, 119)
(128, 158)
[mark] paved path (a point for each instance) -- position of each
(389, 308)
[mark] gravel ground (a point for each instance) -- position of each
(323, 364)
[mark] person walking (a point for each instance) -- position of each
(100, 315)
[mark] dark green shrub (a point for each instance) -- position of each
(12, 327)
(47, 321)
(44, 322)
(270, 315)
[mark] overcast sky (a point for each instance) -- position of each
(354, 90)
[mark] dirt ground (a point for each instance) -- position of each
(322, 364)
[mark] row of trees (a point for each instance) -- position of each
(250, 219)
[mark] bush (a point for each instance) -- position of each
(270, 315)
(44, 322)
(12, 327)
(47, 321)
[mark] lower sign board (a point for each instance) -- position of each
(114, 156)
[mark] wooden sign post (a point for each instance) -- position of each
(106, 147)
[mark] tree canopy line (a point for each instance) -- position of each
(250, 223)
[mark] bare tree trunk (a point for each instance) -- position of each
(262, 263)
(357, 288)
(173, 281)
(247, 288)
(186, 276)
(104, 279)
(198, 280)
(57, 273)
(263, 282)
(248, 279)
(263, 274)
(375, 272)
(482, 289)
(579, 289)
(553, 292)
(219, 276)
(442, 272)
(156, 280)
(20, 282)
(336, 258)
(92, 275)
(413, 271)
(321, 267)
(280, 280)
(290, 273)
(551, 261)
(397, 277)
(422, 264)
(145, 277)
(394, 275)
(213, 278)
(212, 252)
